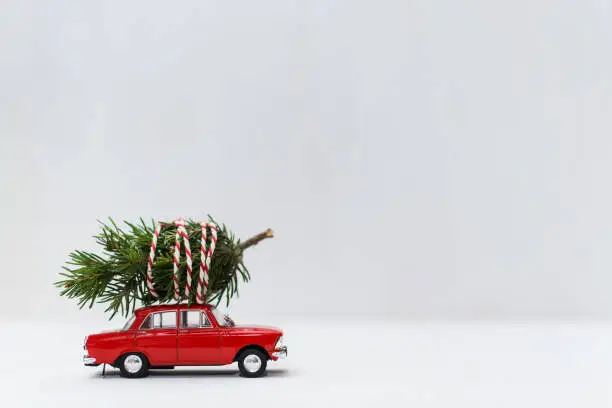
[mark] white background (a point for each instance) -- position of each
(433, 159)
(417, 160)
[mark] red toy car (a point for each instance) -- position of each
(180, 335)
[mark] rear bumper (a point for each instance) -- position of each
(90, 361)
(280, 352)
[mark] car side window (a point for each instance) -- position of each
(191, 319)
(205, 321)
(168, 320)
(162, 320)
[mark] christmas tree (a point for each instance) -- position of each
(141, 265)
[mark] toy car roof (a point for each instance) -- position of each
(162, 307)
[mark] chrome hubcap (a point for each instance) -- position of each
(252, 363)
(132, 364)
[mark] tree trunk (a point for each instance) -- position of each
(254, 240)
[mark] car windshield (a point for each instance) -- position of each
(128, 324)
(222, 318)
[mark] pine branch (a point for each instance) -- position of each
(118, 276)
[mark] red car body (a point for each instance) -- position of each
(169, 335)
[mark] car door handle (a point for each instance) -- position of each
(183, 331)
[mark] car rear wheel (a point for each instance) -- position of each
(133, 365)
(252, 363)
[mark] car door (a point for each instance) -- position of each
(157, 337)
(199, 342)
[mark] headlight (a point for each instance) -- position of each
(85, 343)
(279, 342)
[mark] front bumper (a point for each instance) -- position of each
(280, 352)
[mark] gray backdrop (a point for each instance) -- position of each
(416, 159)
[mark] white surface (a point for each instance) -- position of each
(459, 151)
(484, 365)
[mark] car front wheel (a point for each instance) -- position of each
(134, 365)
(252, 363)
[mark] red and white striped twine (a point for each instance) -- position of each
(181, 232)
(150, 261)
(205, 257)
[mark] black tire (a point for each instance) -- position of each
(133, 365)
(252, 363)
